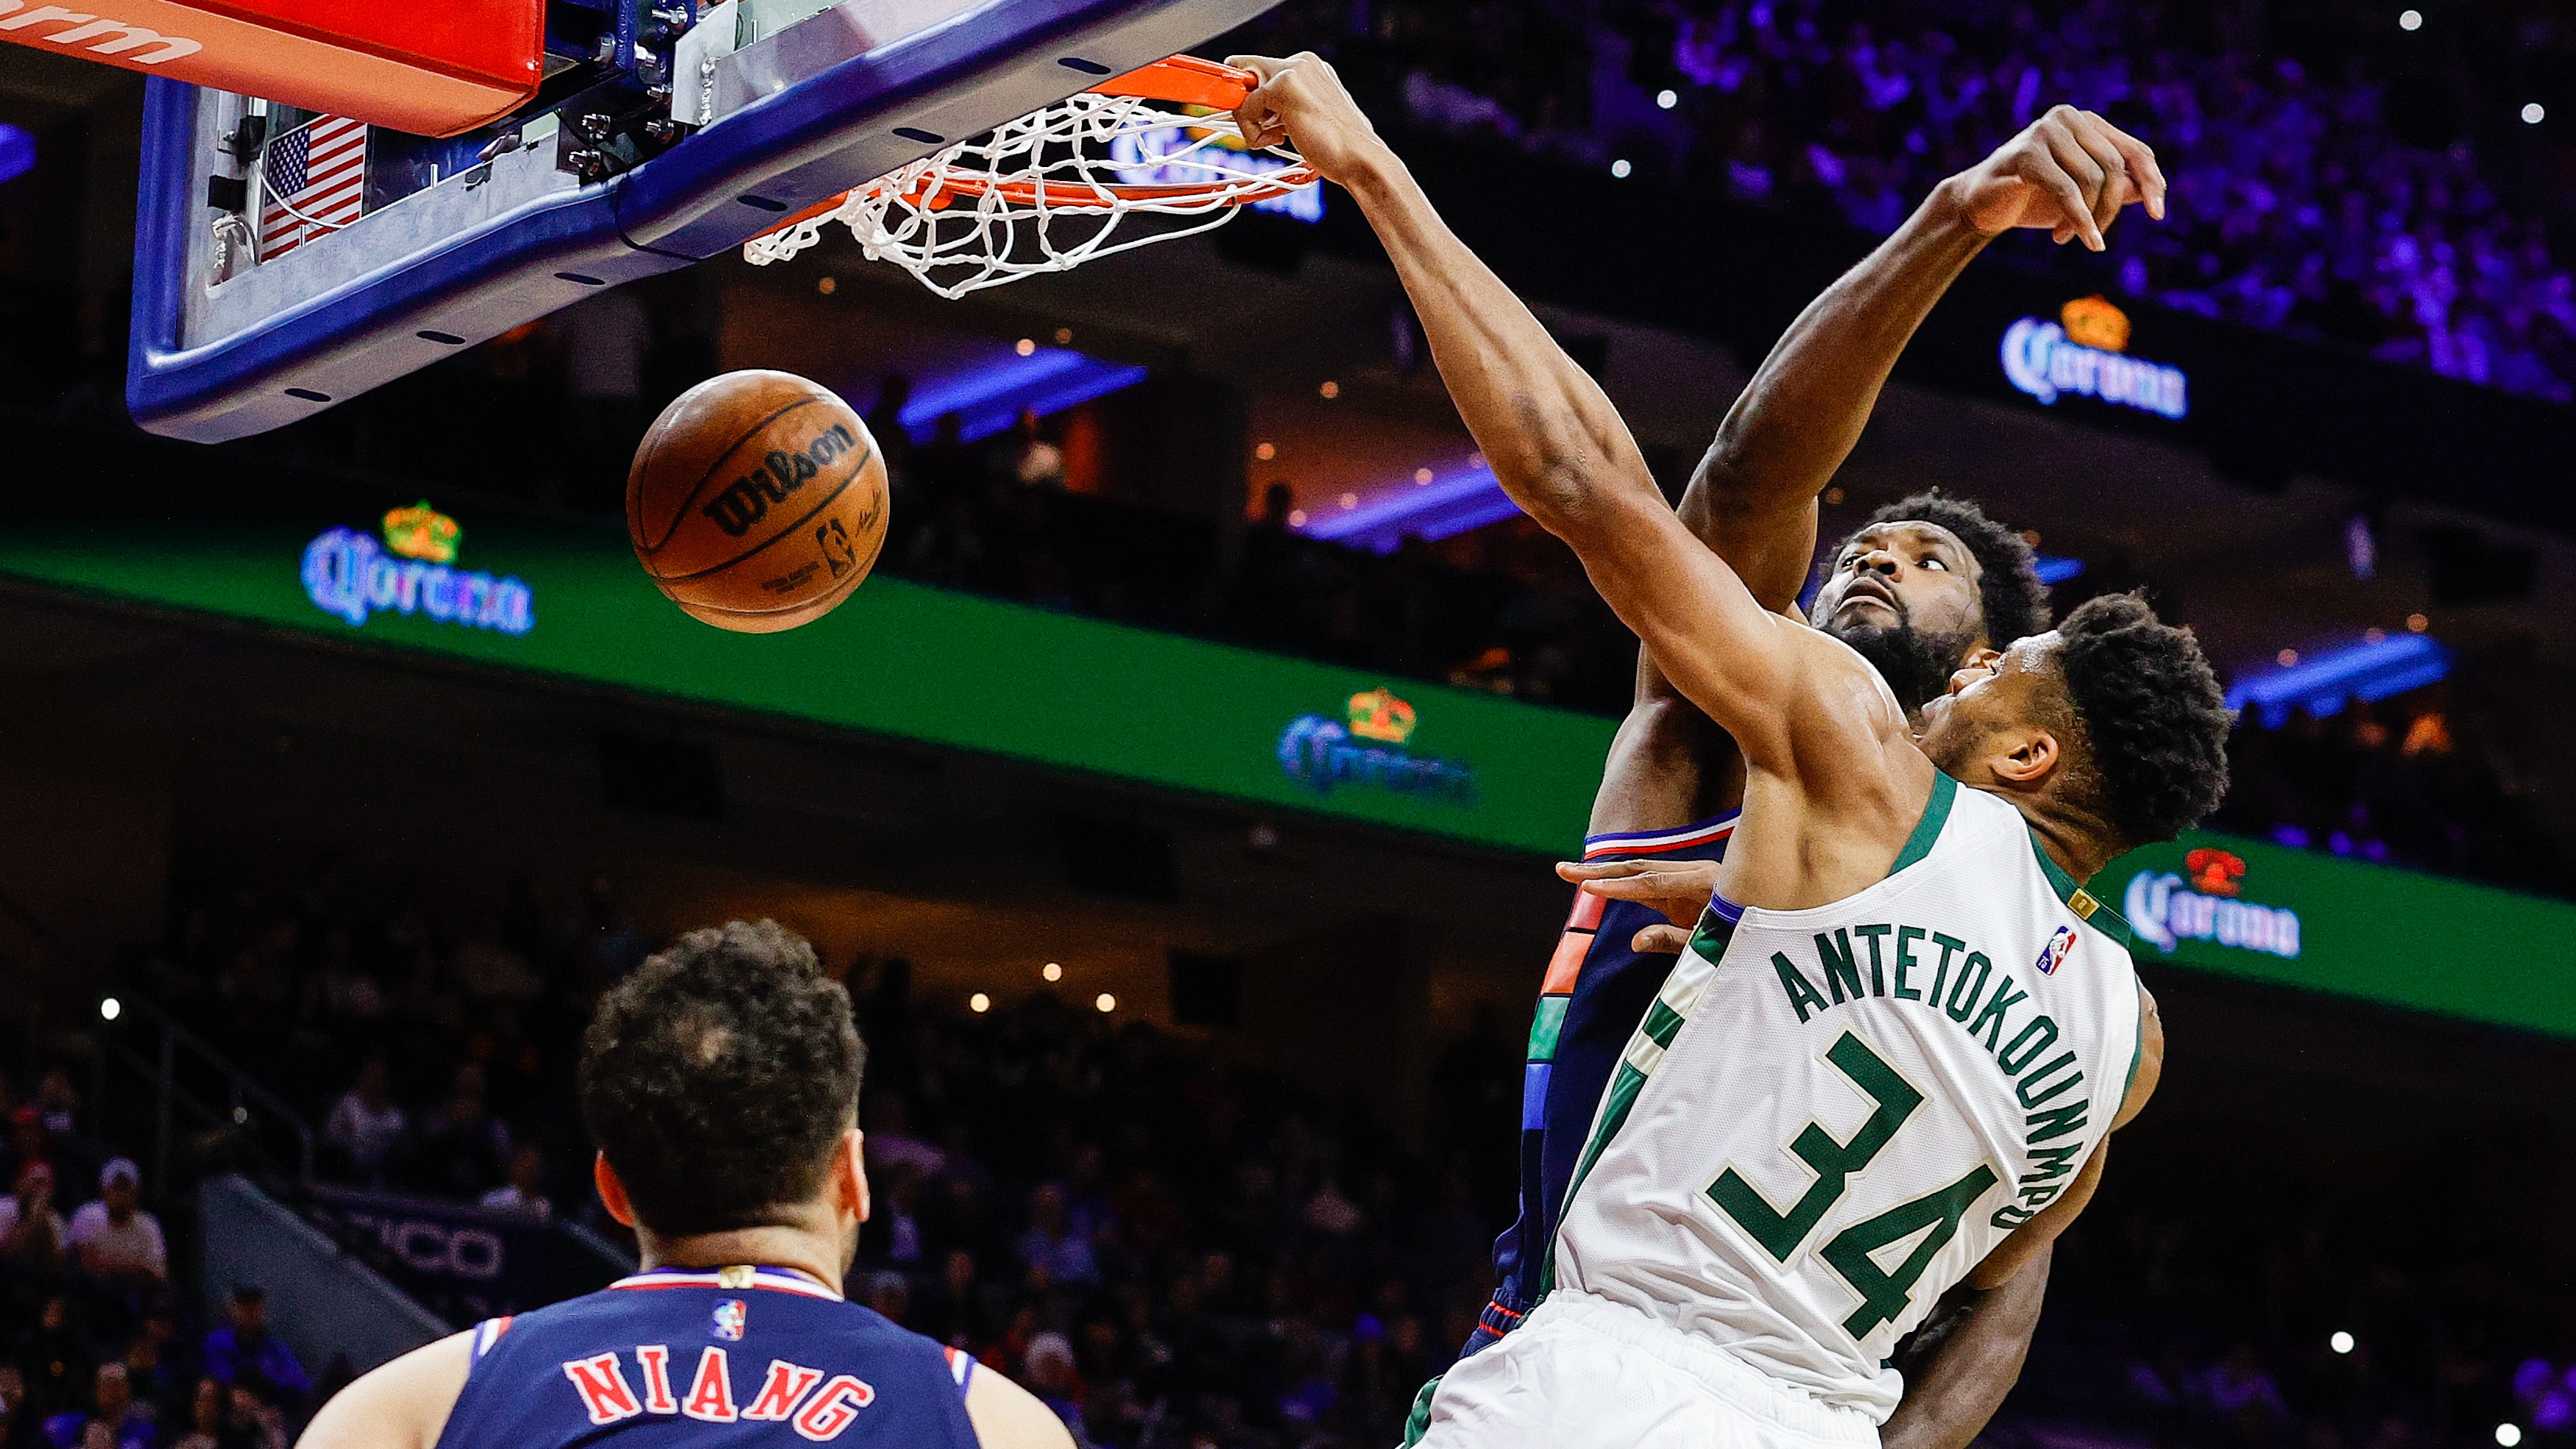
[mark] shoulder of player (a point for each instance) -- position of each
(403, 1404)
(1839, 697)
(1006, 1416)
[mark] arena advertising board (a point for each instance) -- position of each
(2297, 918)
(970, 673)
(2084, 353)
(464, 1263)
(897, 659)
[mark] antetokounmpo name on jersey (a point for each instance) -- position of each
(1971, 996)
(789, 1393)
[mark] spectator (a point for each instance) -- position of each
(31, 1231)
(1035, 462)
(114, 1238)
(365, 1126)
(462, 1151)
(113, 1415)
(1052, 1251)
(890, 1294)
(251, 1421)
(245, 1346)
(151, 1381)
(28, 1140)
(526, 1189)
(206, 1407)
(890, 1142)
(55, 1361)
(57, 1103)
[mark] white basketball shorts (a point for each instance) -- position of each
(1585, 1373)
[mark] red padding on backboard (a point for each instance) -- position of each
(432, 70)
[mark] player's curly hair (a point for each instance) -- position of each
(2152, 720)
(718, 1077)
(2014, 601)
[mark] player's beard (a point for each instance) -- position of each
(1916, 665)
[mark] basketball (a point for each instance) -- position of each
(757, 501)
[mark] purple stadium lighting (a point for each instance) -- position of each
(990, 394)
(17, 152)
(2324, 682)
(1436, 510)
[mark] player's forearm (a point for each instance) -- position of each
(1954, 1388)
(1805, 408)
(1545, 427)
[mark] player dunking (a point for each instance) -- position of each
(1819, 1127)
(1926, 585)
(721, 1081)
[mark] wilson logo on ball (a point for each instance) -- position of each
(745, 501)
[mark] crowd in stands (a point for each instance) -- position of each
(2334, 175)
(2412, 781)
(99, 1347)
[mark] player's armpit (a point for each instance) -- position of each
(400, 1405)
(2026, 1242)
(1964, 1359)
(1007, 1416)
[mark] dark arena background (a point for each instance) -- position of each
(1177, 799)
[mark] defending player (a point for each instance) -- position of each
(1779, 1185)
(1673, 782)
(722, 1083)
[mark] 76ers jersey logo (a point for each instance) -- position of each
(2055, 954)
(729, 1318)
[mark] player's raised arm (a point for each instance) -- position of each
(1753, 497)
(1545, 427)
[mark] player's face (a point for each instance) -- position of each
(1992, 693)
(1902, 575)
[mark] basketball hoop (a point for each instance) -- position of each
(1051, 190)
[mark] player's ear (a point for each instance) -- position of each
(2024, 756)
(850, 1172)
(612, 1193)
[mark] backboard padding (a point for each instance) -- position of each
(812, 112)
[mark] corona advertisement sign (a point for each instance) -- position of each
(2166, 909)
(349, 574)
(1369, 752)
(2083, 354)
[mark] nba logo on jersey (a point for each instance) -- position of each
(729, 1318)
(2054, 955)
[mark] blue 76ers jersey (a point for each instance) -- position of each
(737, 1356)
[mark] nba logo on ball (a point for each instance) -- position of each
(2054, 955)
(729, 1320)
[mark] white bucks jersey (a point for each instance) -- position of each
(1831, 1115)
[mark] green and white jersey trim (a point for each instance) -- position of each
(1830, 1115)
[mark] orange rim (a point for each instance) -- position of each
(1180, 80)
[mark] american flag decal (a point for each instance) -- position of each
(312, 183)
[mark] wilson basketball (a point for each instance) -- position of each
(757, 501)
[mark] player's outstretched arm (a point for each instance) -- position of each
(1965, 1359)
(400, 1405)
(1753, 497)
(1545, 427)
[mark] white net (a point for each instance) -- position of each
(1089, 177)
